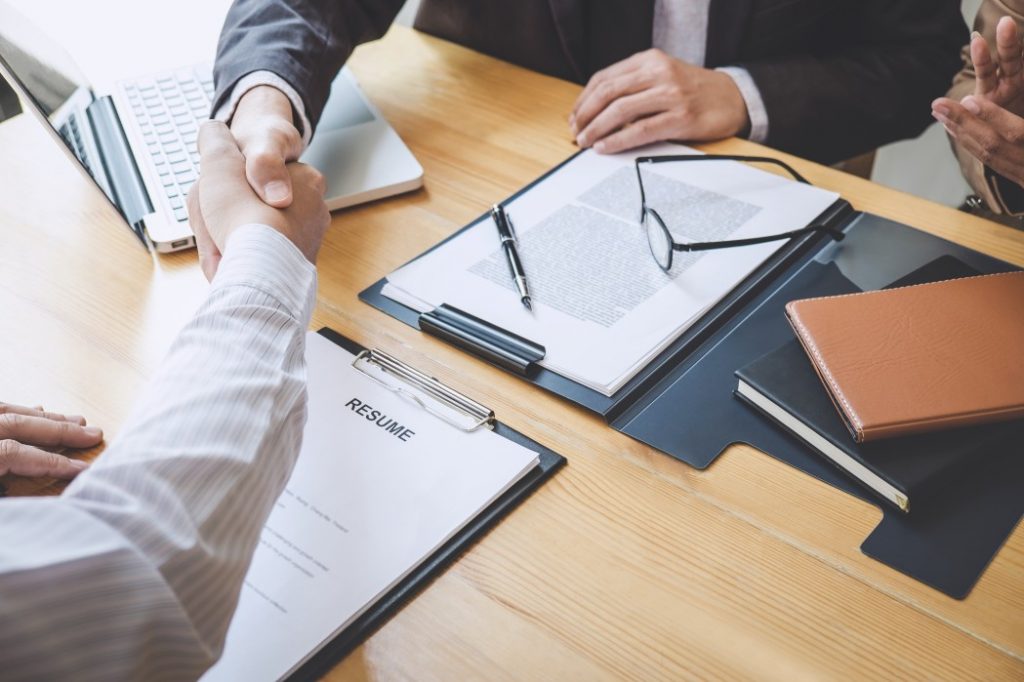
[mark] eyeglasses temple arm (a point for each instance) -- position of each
(720, 157)
(833, 232)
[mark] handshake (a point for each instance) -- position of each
(249, 175)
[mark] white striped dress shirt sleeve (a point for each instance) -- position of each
(135, 571)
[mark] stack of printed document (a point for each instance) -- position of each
(602, 307)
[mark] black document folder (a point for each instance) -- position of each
(386, 606)
(681, 403)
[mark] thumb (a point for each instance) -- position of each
(268, 174)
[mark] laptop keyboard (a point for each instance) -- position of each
(169, 109)
(71, 134)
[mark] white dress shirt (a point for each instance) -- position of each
(135, 571)
(680, 30)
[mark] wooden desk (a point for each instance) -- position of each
(628, 563)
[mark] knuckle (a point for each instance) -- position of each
(265, 158)
(617, 110)
(8, 451)
(9, 422)
(53, 461)
(284, 136)
(318, 181)
(986, 152)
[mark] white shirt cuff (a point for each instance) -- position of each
(250, 81)
(259, 257)
(752, 96)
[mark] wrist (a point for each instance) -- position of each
(736, 118)
(261, 101)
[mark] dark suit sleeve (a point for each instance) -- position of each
(871, 87)
(305, 42)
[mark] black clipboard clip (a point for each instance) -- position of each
(483, 339)
(459, 411)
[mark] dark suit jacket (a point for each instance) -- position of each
(838, 77)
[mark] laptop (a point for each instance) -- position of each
(138, 143)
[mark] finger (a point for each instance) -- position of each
(993, 135)
(209, 254)
(1002, 119)
(48, 433)
(1003, 158)
(606, 93)
(1008, 49)
(639, 133)
(25, 460)
(986, 73)
(7, 408)
(995, 140)
(307, 176)
(954, 116)
(617, 70)
(621, 112)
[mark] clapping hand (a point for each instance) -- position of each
(989, 123)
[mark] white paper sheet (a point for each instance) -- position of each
(602, 307)
(368, 501)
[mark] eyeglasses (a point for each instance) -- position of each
(660, 240)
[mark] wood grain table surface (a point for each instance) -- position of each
(628, 564)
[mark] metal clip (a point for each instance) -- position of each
(478, 415)
(512, 228)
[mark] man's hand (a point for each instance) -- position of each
(25, 430)
(988, 124)
(651, 97)
(222, 201)
(263, 126)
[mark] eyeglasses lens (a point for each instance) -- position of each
(659, 240)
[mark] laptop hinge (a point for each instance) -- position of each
(126, 184)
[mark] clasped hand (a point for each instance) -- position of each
(223, 200)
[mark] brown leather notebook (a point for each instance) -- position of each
(919, 358)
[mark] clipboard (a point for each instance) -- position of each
(478, 416)
(681, 403)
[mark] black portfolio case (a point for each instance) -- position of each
(682, 402)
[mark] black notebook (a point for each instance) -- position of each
(784, 386)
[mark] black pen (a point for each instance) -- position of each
(507, 234)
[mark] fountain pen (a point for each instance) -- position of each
(509, 242)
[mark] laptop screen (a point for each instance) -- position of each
(42, 73)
